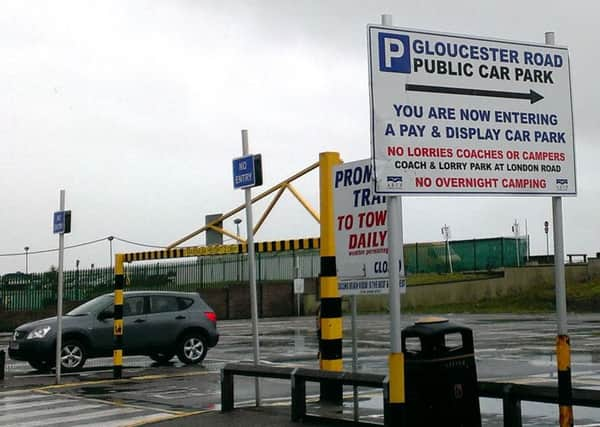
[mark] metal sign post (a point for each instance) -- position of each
(252, 269)
(563, 344)
(59, 228)
(354, 356)
(397, 396)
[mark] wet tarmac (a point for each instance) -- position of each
(509, 348)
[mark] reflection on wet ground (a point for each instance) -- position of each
(508, 348)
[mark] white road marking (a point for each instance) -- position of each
(30, 408)
(4, 419)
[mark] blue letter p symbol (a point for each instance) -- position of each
(394, 53)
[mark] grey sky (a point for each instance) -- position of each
(135, 109)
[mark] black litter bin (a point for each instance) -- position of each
(440, 375)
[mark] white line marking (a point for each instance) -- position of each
(81, 417)
(12, 407)
(45, 412)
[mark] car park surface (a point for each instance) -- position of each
(509, 348)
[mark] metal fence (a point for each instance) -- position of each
(35, 291)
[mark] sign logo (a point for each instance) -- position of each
(394, 182)
(562, 184)
(394, 53)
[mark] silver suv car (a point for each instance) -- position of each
(157, 324)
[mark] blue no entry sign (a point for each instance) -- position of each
(247, 171)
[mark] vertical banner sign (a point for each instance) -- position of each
(466, 115)
(360, 231)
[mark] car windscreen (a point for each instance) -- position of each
(93, 306)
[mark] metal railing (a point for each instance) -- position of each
(513, 394)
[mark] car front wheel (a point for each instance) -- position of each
(192, 349)
(72, 355)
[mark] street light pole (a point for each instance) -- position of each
(237, 222)
(77, 278)
(547, 247)
(26, 259)
(446, 234)
(110, 240)
(515, 229)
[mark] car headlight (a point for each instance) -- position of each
(39, 332)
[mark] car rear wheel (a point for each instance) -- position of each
(192, 348)
(40, 365)
(72, 356)
(161, 358)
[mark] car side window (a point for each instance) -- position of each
(133, 306)
(163, 304)
(184, 303)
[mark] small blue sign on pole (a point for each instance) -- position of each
(62, 222)
(59, 222)
(247, 171)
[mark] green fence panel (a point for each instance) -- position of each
(19, 291)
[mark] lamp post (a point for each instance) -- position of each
(26, 259)
(77, 278)
(237, 222)
(515, 229)
(446, 234)
(110, 239)
(547, 247)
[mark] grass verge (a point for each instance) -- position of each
(581, 298)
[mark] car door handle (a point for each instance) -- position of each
(180, 317)
(139, 321)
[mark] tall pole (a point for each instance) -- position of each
(59, 304)
(527, 242)
(547, 245)
(26, 259)
(330, 341)
(517, 234)
(354, 356)
(77, 279)
(297, 276)
(446, 234)
(395, 257)
(118, 317)
(251, 270)
(110, 240)
(563, 345)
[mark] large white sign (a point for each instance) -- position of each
(455, 114)
(361, 236)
